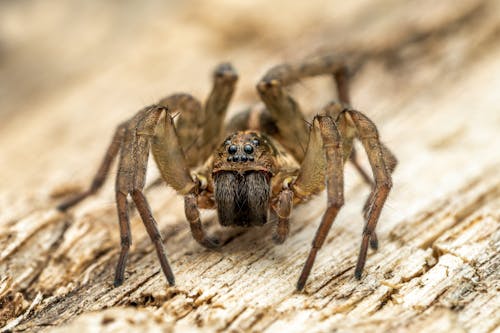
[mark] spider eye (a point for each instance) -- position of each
(248, 149)
(232, 149)
(227, 142)
(255, 142)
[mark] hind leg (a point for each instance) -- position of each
(283, 107)
(293, 130)
(382, 164)
(390, 162)
(199, 128)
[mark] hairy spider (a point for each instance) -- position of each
(259, 169)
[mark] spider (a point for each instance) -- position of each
(252, 169)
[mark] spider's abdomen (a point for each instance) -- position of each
(242, 199)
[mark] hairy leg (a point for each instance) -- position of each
(125, 236)
(199, 129)
(151, 129)
(188, 114)
(171, 162)
(390, 163)
(285, 110)
(335, 110)
(325, 151)
(348, 130)
(368, 135)
(131, 176)
(283, 209)
(153, 232)
(191, 112)
(224, 84)
(193, 216)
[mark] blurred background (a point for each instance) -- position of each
(426, 72)
(71, 70)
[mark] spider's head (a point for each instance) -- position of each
(244, 152)
(242, 170)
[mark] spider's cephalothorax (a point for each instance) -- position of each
(270, 160)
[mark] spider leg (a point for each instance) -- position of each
(191, 114)
(101, 173)
(390, 163)
(369, 137)
(198, 128)
(283, 210)
(193, 215)
(130, 179)
(153, 232)
(151, 129)
(324, 159)
(348, 132)
(188, 115)
(173, 168)
(224, 83)
(342, 79)
(285, 110)
(125, 236)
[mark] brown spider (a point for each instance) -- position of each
(260, 169)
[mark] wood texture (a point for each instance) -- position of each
(427, 73)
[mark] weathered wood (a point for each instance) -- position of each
(427, 73)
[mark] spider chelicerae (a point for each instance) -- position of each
(252, 167)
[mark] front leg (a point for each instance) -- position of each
(130, 179)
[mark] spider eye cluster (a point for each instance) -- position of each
(246, 153)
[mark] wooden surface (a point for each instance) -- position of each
(429, 78)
